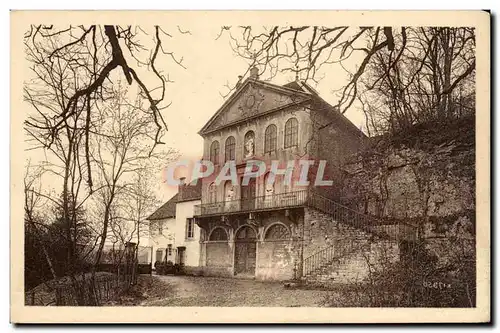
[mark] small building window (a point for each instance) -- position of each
(277, 232)
(214, 153)
(270, 139)
(230, 148)
(218, 234)
(189, 228)
(291, 133)
(159, 255)
(169, 249)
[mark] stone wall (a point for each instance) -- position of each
(218, 254)
(276, 260)
(359, 266)
(425, 177)
(321, 231)
(362, 254)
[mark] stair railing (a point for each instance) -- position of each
(328, 255)
(350, 217)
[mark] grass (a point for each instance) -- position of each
(147, 288)
(44, 294)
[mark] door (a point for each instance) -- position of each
(245, 251)
(181, 255)
(248, 195)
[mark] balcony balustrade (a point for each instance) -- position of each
(261, 203)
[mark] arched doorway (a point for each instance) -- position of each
(245, 251)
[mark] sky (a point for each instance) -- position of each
(196, 93)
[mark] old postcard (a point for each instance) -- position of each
(191, 167)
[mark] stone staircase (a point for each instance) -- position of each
(360, 244)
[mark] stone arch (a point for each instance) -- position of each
(238, 230)
(277, 231)
(245, 250)
(218, 234)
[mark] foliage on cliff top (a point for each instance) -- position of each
(427, 136)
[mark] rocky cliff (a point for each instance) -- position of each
(425, 177)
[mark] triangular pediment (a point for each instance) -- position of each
(252, 99)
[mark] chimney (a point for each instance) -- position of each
(182, 183)
(254, 73)
(238, 84)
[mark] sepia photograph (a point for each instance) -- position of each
(217, 161)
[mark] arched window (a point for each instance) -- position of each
(212, 193)
(214, 152)
(277, 232)
(270, 138)
(291, 133)
(218, 234)
(230, 148)
(249, 142)
(245, 233)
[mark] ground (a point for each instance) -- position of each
(215, 291)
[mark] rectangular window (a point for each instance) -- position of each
(169, 249)
(189, 228)
(143, 258)
(159, 255)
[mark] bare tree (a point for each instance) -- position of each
(64, 149)
(381, 55)
(141, 201)
(304, 50)
(74, 73)
(86, 58)
(432, 78)
(122, 149)
(32, 207)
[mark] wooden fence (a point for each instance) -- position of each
(82, 292)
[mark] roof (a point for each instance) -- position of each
(165, 211)
(188, 192)
(283, 89)
(320, 104)
(305, 90)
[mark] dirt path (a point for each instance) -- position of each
(212, 291)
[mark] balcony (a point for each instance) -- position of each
(262, 203)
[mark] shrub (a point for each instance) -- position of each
(416, 281)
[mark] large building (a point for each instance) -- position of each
(281, 230)
(293, 227)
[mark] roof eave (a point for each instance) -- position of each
(160, 218)
(305, 101)
(269, 85)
